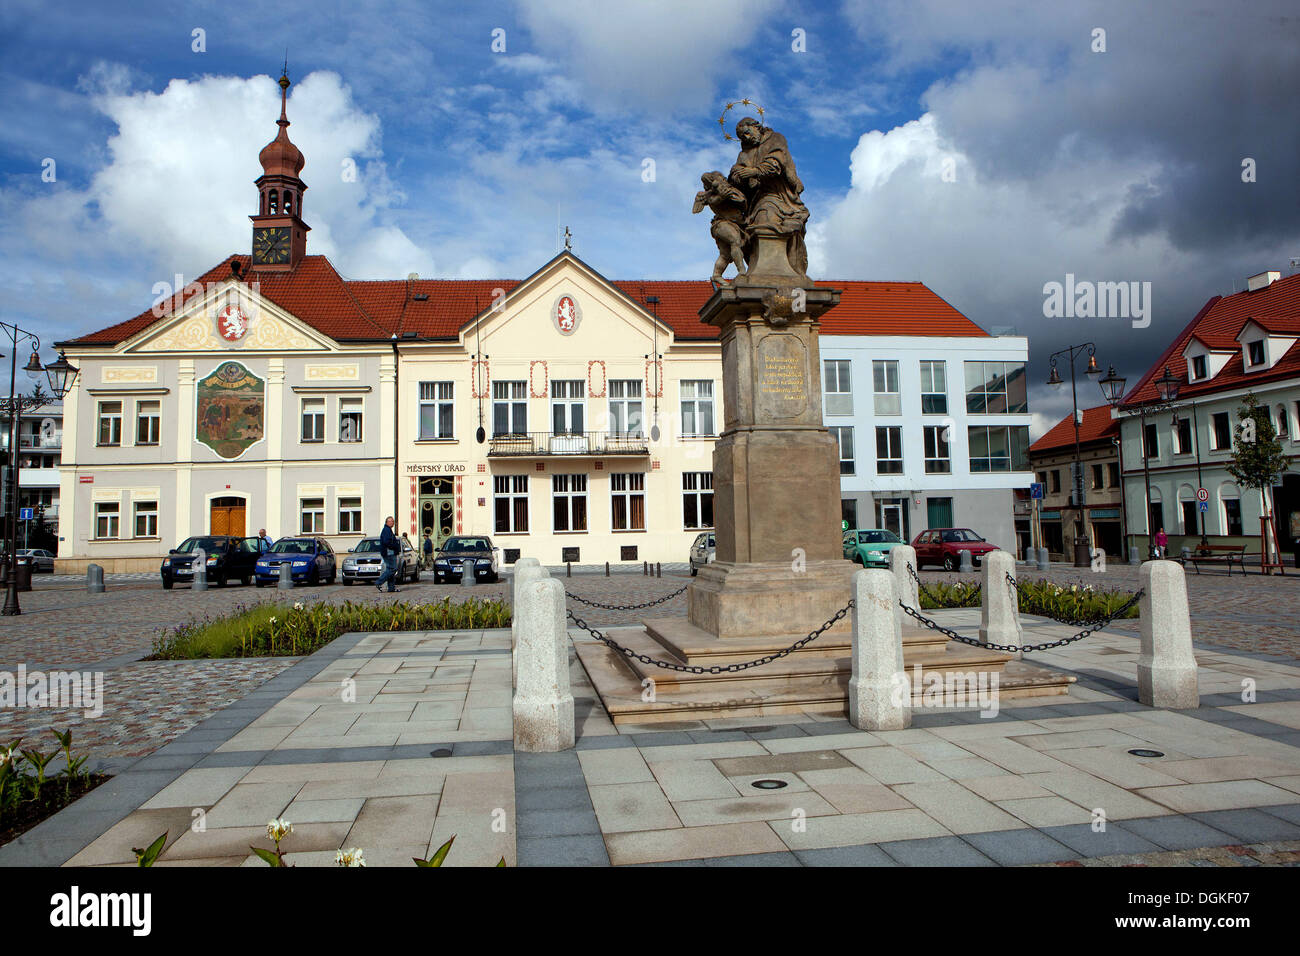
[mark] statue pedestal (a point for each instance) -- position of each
(780, 567)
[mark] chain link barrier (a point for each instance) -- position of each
(716, 668)
(627, 607)
(1024, 648)
(922, 589)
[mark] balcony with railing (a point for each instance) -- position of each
(546, 444)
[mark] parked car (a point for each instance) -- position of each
(365, 562)
(870, 547)
(227, 557)
(458, 549)
(40, 559)
(704, 550)
(945, 545)
(311, 561)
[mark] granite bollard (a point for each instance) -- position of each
(543, 704)
(200, 582)
(286, 577)
(900, 559)
(1166, 669)
(1044, 559)
(1000, 608)
(526, 569)
(879, 694)
(1133, 557)
(966, 563)
(94, 579)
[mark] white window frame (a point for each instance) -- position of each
(510, 488)
(352, 407)
(625, 487)
(154, 428)
(108, 520)
(625, 398)
(837, 386)
(938, 453)
(350, 517)
(441, 397)
(696, 398)
(315, 407)
(848, 457)
(893, 449)
(566, 490)
(568, 396)
(316, 512)
(931, 388)
(114, 420)
(148, 510)
(510, 396)
(696, 486)
(884, 387)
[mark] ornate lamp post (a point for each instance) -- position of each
(61, 375)
(1082, 543)
(1167, 388)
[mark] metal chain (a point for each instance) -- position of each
(922, 589)
(1025, 648)
(1071, 621)
(716, 668)
(628, 607)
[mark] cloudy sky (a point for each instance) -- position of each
(984, 148)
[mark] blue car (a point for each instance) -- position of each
(311, 559)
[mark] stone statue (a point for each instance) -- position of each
(728, 227)
(774, 220)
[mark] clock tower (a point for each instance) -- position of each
(279, 234)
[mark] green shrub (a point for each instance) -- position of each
(1072, 602)
(941, 594)
(283, 630)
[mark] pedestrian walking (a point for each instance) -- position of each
(1162, 543)
(428, 549)
(389, 548)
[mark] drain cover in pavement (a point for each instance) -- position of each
(1146, 753)
(441, 752)
(769, 784)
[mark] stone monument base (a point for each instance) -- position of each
(764, 599)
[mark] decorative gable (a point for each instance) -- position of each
(230, 317)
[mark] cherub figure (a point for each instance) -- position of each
(728, 205)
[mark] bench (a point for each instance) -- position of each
(1228, 554)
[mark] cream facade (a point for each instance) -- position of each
(180, 430)
(593, 448)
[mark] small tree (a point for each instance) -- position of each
(1257, 457)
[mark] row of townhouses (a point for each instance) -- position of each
(569, 416)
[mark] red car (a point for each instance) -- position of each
(945, 545)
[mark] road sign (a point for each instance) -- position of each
(25, 514)
(1036, 489)
(1202, 506)
(1202, 495)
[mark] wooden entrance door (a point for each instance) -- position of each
(227, 517)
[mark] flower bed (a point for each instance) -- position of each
(283, 630)
(1042, 598)
(29, 794)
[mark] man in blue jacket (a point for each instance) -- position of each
(390, 547)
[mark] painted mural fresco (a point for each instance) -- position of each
(231, 409)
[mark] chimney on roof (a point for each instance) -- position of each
(1262, 281)
(413, 277)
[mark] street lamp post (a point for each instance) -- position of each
(1082, 543)
(61, 375)
(1167, 388)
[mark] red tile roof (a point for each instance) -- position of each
(355, 311)
(1097, 425)
(1276, 308)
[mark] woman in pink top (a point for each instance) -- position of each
(1162, 543)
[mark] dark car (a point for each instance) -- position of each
(311, 561)
(226, 557)
(365, 562)
(478, 549)
(41, 559)
(945, 545)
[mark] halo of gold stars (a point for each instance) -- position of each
(722, 120)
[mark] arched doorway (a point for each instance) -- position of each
(437, 509)
(228, 516)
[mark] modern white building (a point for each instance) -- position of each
(40, 447)
(933, 421)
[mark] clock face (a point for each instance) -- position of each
(271, 245)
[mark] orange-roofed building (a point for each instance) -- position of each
(1239, 344)
(1053, 461)
(567, 416)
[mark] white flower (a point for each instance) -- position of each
(349, 857)
(277, 830)
(272, 620)
(297, 605)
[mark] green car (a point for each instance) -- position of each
(870, 546)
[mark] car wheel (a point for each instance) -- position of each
(694, 569)
(347, 581)
(314, 578)
(167, 584)
(246, 580)
(949, 563)
(857, 559)
(221, 581)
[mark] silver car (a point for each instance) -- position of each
(41, 560)
(703, 551)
